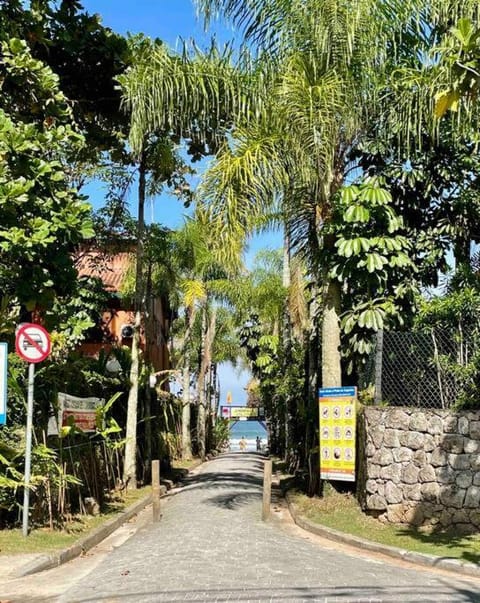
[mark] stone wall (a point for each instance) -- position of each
(421, 467)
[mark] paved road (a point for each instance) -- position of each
(211, 545)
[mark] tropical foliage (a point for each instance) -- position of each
(364, 156)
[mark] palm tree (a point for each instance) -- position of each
(202, 276)
(321, 89)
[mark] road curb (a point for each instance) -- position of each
(449, 564)
(51, 560)
(48, 561)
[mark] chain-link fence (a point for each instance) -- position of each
(420, 368)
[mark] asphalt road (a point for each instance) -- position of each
(211, 545)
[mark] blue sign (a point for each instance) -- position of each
(337, 392)
(3, 382)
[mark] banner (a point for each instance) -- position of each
(82, 411)
(239, 413)
(337, 433)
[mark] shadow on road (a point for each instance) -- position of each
(310, 593)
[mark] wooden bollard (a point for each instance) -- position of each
(156, 490)
(267, 489)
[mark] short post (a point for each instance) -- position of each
(156, 490)
(267, 489)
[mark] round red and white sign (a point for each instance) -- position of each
(32, 342)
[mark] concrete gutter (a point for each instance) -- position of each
(445, 563)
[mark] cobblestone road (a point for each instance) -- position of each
(211, 545)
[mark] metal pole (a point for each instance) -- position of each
(378, 368)
(28, 448)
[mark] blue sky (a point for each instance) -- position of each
(173, 21)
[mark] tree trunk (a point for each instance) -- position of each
(186, 415)
(208, 336)
(186, 436)
(130, 466)
(331, 362)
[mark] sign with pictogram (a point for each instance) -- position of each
(32, 343)
(337, 433)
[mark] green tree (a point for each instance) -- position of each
(42, 217)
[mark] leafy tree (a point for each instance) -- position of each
(42, 217)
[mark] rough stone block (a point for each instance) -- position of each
(391, 473)
(376, 434)
(471, 446)
(435, 425)
(463, 425)
(410, 474)
(452, 496)
(373, 471)
(445, 475)
(464, 479)
(450, 424)
(393, 493)
(430, 443)
(474, 517)
(446, 518)
(476, 479)
(472, 498)
(390, 438)
(430, 492)
(414, 516)
(396, 418)
(383, 457)
(439, 458)
(395, 514)
(371, 486)
(412, 492)
(402, 455)
(418, 422)
(452, 443)
(427, 474)
(460, 462)
(420, 458)
(412, 439)
(376, 503)
(475, 430)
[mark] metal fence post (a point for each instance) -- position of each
(378, 368)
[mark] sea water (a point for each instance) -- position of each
(248, 430)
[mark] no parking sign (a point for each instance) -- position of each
(32, 343)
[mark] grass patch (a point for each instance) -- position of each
(185, 463)
(341, 511)
(42, 540)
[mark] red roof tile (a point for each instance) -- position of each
(110, 268)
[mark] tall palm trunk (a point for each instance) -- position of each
(287, 343)
(331, 366)
(186, 414)
(130, 466)
(208, 336)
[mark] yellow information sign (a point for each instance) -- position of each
(337, 433)
(244, 411)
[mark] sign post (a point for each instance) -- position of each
(32, 343)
